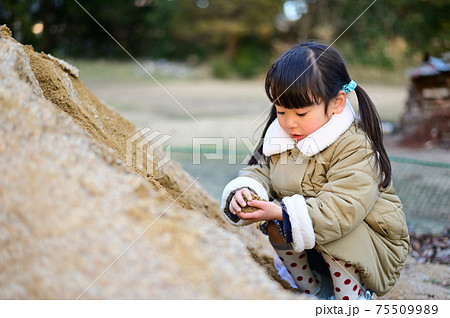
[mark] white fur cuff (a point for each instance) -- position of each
(237, 183)
(302, 230)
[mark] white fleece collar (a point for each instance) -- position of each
(278, 141)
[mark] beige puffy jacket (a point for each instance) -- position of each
(329, 184)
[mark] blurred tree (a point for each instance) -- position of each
(391, 32)
(69, 30)
(17, 14)
(384, 35)
(226, 24)
(238, 32)
(367, 41)
(424, 24)
(238, 35)
(123, 20)
(313, 20)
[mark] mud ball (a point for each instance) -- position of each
(249, 209)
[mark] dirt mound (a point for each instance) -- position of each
(61, 85)
(76, 221)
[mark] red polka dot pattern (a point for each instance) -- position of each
(298, 267)
(345, 278)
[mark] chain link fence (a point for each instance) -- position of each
(424, 189)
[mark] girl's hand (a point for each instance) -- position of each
(238, 200)
(267, 211)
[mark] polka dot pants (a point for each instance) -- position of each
(297, 265)
(346, 279)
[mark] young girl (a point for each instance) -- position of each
(332, 215)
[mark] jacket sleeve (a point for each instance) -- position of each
(350, 192)
(257, 179)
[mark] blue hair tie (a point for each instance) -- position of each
(349, 87)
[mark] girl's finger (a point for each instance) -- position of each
(234, 206)
(238, 197)
(257, 203)
(247, 194)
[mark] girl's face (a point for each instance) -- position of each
(300, 123)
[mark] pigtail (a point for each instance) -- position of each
(371, 124)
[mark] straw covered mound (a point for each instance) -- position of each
(77, 222)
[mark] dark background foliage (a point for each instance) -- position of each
(234, 36)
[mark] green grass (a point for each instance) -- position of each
(108, 70)
(127, 71)
(119, 70)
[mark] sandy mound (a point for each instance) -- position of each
(72, 211)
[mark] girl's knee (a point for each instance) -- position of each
(274, 234)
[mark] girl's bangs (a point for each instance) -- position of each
(294, 96)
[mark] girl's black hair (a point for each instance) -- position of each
(310, 73)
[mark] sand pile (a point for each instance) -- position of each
(70, 208)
